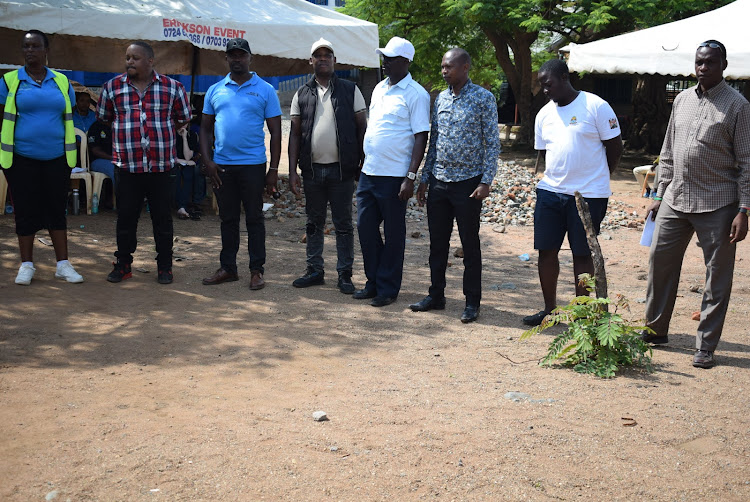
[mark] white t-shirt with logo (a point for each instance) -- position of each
(572, 135)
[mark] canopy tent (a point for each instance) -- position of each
(188, 37)
(669, 49)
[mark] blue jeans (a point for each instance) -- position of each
(242, 184)
(378, 202)
(190, 185)
(107, 167)
(323, 186)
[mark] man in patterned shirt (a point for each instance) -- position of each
(146, 110)
(461, 163)
(704, 188)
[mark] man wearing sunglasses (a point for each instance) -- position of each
(704, 188)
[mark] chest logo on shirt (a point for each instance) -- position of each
(613, 123)
(573, 120)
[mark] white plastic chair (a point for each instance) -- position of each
(85, 175)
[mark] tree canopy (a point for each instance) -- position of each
(507, 33)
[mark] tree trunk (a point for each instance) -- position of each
(600, 275)
(518, 71)
(650, 114)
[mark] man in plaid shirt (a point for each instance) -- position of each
(146, 110)
(704, 188)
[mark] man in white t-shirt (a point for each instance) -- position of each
(580, 135)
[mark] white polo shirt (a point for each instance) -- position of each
(397, 113)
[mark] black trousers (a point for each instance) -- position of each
(448, 201)
(242, 185)
(131, 190)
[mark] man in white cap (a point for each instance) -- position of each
(329, 119)
(394, 146)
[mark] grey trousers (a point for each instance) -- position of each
(672, 235)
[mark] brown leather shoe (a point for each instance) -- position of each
(220, 276)
(256, 280)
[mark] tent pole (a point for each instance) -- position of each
(192, 72)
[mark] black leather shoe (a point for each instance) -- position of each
(471, 314)
(311, 278)
(345, 283)
(428, 303)
(364, 294)
(654, 338)
(382, 301)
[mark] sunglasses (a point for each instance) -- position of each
(714, 45)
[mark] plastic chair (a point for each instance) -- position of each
(3, 192)
(85, 176)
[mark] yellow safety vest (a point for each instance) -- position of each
(7, 134)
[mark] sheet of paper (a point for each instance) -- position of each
(648, 231)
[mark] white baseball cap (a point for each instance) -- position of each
(397, 46)
(322, 42)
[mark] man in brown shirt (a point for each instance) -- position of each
(704, 188)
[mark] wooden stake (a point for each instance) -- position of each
(600, 275)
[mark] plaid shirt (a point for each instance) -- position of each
(705, 160)
(143, 125)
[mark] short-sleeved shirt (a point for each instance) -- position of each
(572, 135)
(83, 122)
(397, 113)
(100, 136)
(240, 112)
(324, 142)
(144, 124)
(40, 123)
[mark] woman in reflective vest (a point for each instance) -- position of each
(37, 150)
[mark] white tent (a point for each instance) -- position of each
(92, 35)
(669, 49)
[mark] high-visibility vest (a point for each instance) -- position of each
(7, 134)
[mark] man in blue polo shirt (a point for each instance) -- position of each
(233, 114)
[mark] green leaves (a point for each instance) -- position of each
(596, 341)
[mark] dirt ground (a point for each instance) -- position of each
(138, 391)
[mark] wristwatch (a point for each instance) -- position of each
(412, 176)
(742, 210)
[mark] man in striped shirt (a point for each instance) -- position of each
(704, 188)
(145, 109)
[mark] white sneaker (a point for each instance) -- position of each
(25, 274)
(67, 272)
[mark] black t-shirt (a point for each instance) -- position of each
(100, 135)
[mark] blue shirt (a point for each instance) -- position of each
(40, 126)
(81, 122)
(464, 139)
(240, 111)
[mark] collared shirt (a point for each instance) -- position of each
(705, 160)
(397, 113)
(324, 142)
(143, 125)
(100, 136)
(83, 122)
(240, 112)
(464, 140)
(40, 126)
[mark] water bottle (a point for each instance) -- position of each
(76, 202)
(9, 209)
(95, 204)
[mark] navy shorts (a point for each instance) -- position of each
(556, 214)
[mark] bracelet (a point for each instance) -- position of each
(273, 168)
(657, 199)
